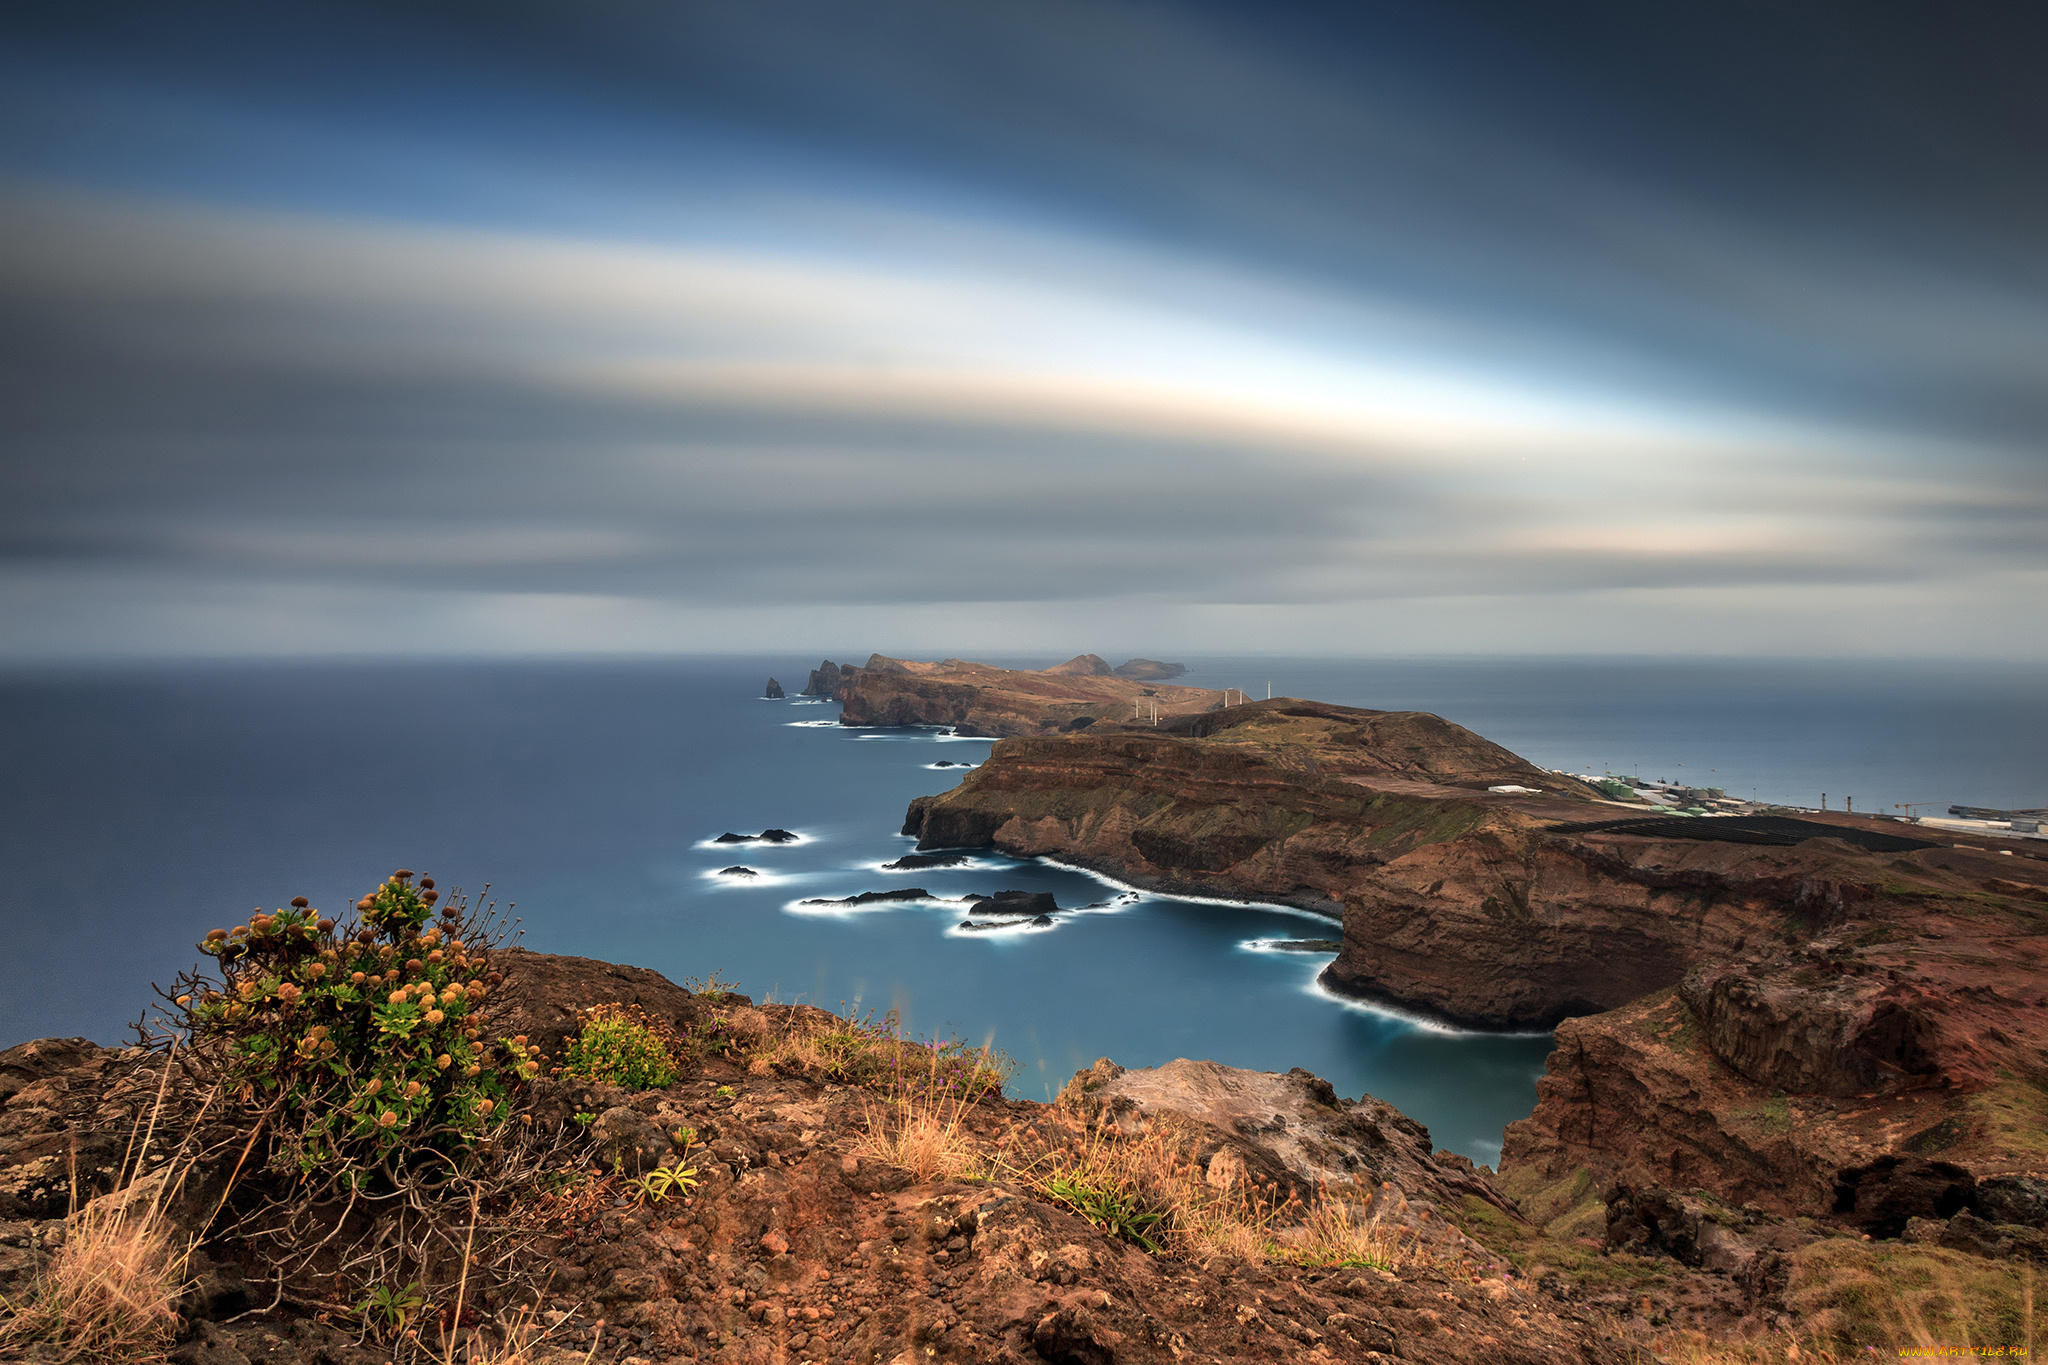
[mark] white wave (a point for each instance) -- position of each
(1314, 986)
(1128, 901)
(808, 701)
(952, 767)
(721, 878)
(812, 724)
(1144, 895)
(1271, 946)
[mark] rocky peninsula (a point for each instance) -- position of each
(1833, 1018)
(982, 699)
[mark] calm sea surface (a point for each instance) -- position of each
(141, 809)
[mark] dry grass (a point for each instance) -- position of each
(110, 1292)
(1692, 1349)
(1859, 1301)
(1335, 1232)
(919, 1125)
(1914, 1298)
(856, 1051)
(525, 1342)
(1149, 1188)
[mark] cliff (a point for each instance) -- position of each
(1898, 1014)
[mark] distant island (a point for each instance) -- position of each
(983, 699)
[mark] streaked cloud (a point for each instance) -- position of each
(1426, 379)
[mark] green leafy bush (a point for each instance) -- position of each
(623, 1045)
(361, 1044)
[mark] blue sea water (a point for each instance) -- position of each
(142, 808)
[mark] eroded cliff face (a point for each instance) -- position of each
(1910, 1023)
(1523, 928)
(1457, 902)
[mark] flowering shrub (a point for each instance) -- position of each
(623, 1045)
(360, 1042)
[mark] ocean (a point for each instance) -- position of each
(143, 807)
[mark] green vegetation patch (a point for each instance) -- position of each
(2014, 1115)
(1938, 1137)
(1545, 1201)
(1535, 1252)
(1667, 1019)
(1398, 820)
(623, 1045)
(1773, 1115)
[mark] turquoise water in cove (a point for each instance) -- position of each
(143, 808)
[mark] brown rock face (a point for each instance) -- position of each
(1514, 928)
(543, 991)
(1837, 1035)
(1457, 903)
(1912, 1027)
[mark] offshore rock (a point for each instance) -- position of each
(1018, 903)
(773, 691)
(914, 893)
(912, 862)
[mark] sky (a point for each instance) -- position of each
(654, 326)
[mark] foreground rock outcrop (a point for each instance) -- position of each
(799, 1243)
(804, 1238)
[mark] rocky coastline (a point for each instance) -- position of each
(1771, 1016)
(1798, 1067)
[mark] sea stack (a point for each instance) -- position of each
(774, 691)
(832, 680)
